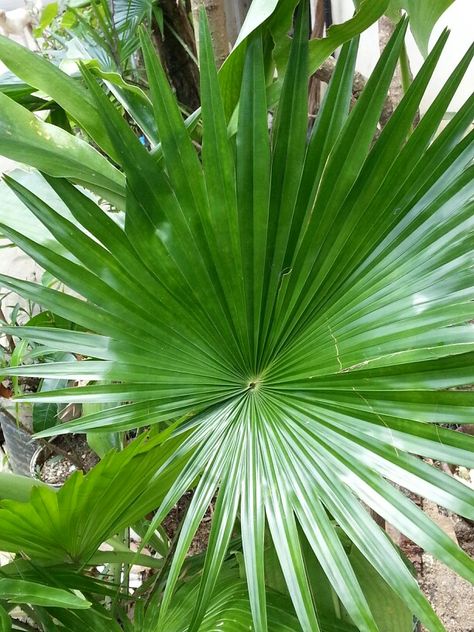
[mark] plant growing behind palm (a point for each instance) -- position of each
(302, 301)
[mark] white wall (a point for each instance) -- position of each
(459, 18)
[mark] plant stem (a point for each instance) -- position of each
(126, 567)
(9, 337)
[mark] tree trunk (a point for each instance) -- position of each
(314, 91)
(235, 11)
(180, 67)
(216, 15)
(395, 94)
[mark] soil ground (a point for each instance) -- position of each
(451, 596)
(56, 468)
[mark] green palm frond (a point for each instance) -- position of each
(303, 301)
(230, 610)
(129, 13)
(69, 525)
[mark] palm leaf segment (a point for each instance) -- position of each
(303, 301)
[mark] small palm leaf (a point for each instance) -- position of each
(230, 609)
(303, 302)
(70, 525)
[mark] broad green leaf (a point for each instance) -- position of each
(230, 609)
(66, 91)
(48, 14)
(259, 11)
(16, 487)
(19, 91)
(46, 415)
(390, 613)
(69, 525)
(367, 13)
(18, 216)
(423, 17)
(24, 137)
(131, 97)
(22, 591)
(100, 442)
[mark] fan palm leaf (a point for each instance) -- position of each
(303, 301)
(68, 526)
